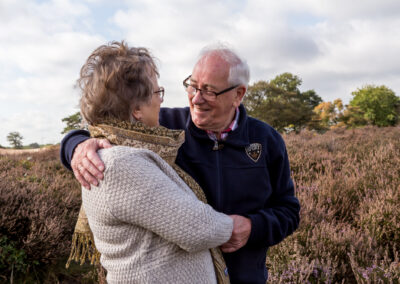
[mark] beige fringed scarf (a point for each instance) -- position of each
(165, 142)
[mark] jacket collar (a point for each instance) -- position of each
(238, 137)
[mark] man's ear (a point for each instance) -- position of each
(239, 94)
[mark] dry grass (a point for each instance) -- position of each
(20, 151)
(39, 202)
(347, 182)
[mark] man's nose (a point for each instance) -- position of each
(198, 98)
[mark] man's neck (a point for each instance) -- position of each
(229, 126)
(218, 134)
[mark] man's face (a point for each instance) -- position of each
(212, 74)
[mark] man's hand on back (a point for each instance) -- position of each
(86, 163)
(240, 234)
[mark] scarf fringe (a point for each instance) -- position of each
(82, 249)
(220, 266)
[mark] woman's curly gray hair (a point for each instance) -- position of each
(114, 80)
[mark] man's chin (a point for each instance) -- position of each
(200, 123)
(199, 118)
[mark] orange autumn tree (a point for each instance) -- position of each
(329, 114)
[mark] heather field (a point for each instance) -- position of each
(348, 183)
(39, 203)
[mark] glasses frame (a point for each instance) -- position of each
(216, 94)
(160, 92)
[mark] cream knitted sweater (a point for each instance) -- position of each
(147, 223)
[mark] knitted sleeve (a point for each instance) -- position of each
(145, 191)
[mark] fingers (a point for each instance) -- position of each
(93, 165)
(89, 177)
(230, 247)
(233, 244)
(86, 163)
(76, 168)
(104, 143)
(80, 179)
(94, 158)
(240, 234)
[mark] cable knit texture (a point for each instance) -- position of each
(148, 224)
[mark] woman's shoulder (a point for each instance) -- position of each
(124, 156)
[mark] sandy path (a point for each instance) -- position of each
(20, 151)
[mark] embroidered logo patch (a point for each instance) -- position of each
(254, 151)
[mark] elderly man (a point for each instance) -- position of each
(241, 163)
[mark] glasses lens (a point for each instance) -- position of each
(191, 90)
(160, 92)
(209, 96)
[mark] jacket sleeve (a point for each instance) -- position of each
(144, 190)
(68, 145)
(174, 118)
(280, 215)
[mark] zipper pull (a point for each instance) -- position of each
(215, 148)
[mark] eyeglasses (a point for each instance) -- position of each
(206, 94)
(160, 92)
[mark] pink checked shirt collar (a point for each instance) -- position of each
(224, 134)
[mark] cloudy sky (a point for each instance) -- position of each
(334, 46)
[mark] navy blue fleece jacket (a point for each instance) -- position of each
(254, 183)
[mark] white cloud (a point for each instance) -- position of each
(34, 126)
(334, 46)
(43, 47)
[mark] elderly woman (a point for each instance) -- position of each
(146, 217)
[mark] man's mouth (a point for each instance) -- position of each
(200, 109)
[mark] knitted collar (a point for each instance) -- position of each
(162, 141)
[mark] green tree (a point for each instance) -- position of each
(73, 122)
(377, 105)
(287, 81)
(280, 103)
(15, 139)
(34, 145)
(310, 98)
(278, 107)
(291, 83)
(353, 117)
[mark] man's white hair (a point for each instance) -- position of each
(239, 72)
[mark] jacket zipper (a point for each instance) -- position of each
(216, 148)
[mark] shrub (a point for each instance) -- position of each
(39, 203)
(347, 182)
(34, 145)
(348, 185)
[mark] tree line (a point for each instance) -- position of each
(15, 140)
(280, 103)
